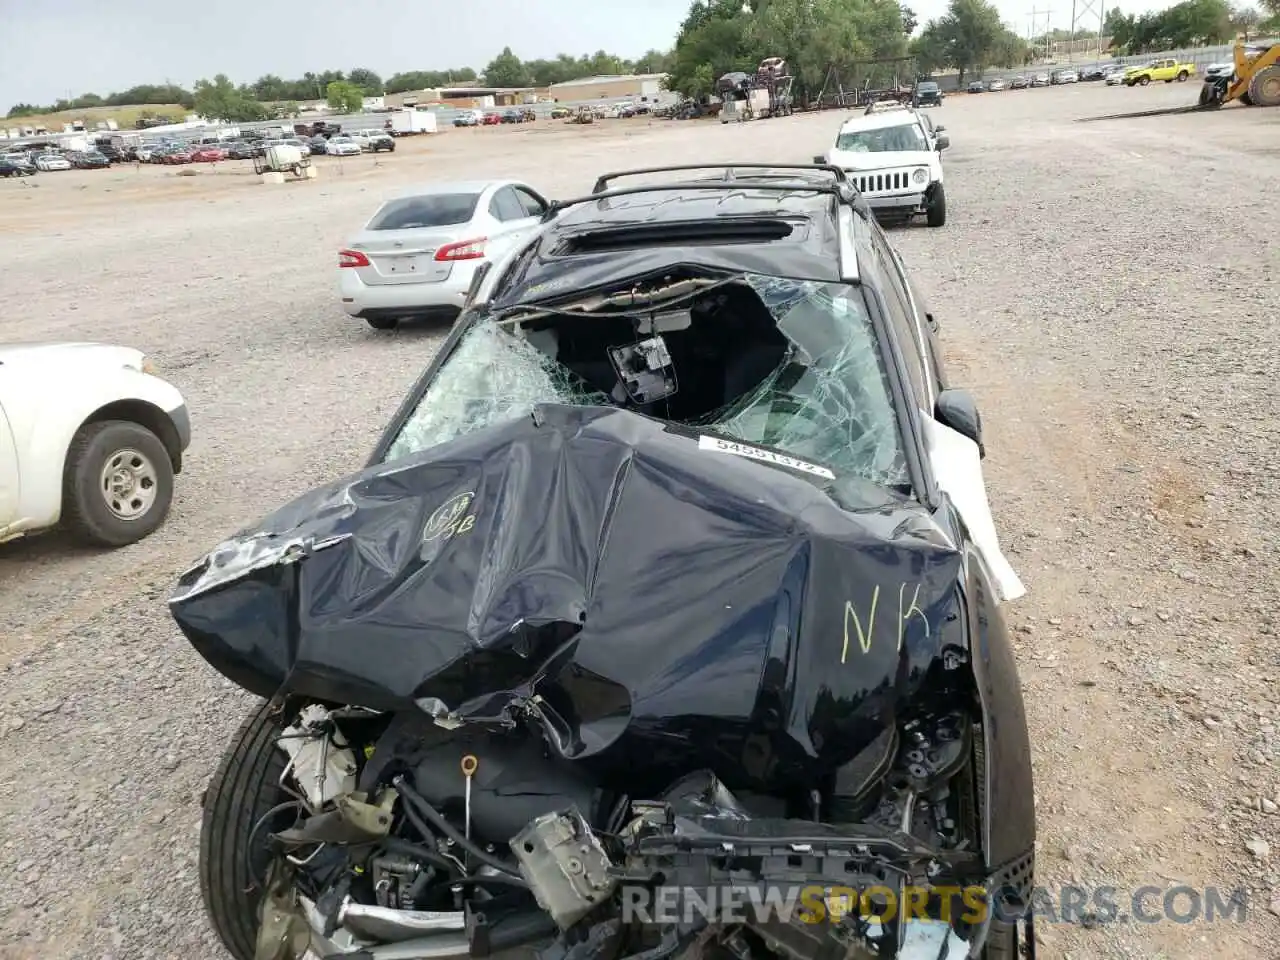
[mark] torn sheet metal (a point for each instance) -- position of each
(661, 600)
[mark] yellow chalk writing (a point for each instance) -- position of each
(864, 630)
(864, 636)
(912, 609)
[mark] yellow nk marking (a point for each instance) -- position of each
(864, 636)
(865, 631)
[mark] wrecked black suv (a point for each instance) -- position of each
(665, 619)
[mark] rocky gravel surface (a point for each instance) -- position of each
(1109, 292)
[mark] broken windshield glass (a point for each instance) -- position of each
(785, 364)
(493, 376)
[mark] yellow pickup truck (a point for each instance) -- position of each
(1166, 70)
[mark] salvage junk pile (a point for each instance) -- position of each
(550, 651)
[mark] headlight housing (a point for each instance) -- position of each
(920, 176)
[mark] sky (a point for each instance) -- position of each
(63, 48)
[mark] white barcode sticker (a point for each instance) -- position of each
(765, 456)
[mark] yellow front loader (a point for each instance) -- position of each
(1255, 82)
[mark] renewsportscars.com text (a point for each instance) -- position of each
(1087, 906)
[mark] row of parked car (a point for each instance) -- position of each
(1048, 79)
(28, 163)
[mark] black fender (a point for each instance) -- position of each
(1006, 782)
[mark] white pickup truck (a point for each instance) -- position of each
(90, 438)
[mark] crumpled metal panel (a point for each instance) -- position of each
(672, 607)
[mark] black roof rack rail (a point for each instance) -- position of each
(602, 183)
(840, 189)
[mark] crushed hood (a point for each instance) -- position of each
(644, 582)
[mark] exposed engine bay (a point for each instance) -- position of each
(405, 839)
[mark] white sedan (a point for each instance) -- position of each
(52, 161)
(342, 147)
(417, 255)
(90, 438)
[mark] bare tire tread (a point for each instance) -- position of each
(238, 796)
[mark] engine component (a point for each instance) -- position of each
(433, 946)
(320, 760)
(396, 879)
(565, 866)
(512, 784)
(394, 926)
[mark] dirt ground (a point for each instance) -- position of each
(1108, 291)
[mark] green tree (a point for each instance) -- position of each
(1245, 20)
(344, 96)
(506, 70)
(220, 99)
(972, 32)
(909, 20)
(270, 87)
(368, 81)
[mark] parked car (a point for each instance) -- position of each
(1090, 74)
(318, 144)
(416, 256)
(375, 141)
(928, 94)
(89, 160)
(52, 161)
(90, 437)
(208, 155)
(893, 155)
(15, 168)
(342, 146)
(491, 120)
(1018, 83)
(466, 119)
(302, 143)
(560, 113)
(996, 85)
(1216, 71)
(512, 116)
(976, 86)
(670, 418)
(239, 150)
(1063, 76)
(176, 155)
(1040, 80)
(1168, 69)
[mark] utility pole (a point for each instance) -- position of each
(1083, 11)
(1071, 39)
(1035, 22)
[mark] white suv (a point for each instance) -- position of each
(893, 155)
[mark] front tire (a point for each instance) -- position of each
(936, 214)
(243, 789)
(382, 323)
(1144, 81)
(117, 485)
(1182, 76)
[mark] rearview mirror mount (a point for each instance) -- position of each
(958, 410)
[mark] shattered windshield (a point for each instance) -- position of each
(898, 138)
(784, 364)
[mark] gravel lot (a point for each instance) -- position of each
(1099, 288)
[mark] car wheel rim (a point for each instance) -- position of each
(128, 484)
